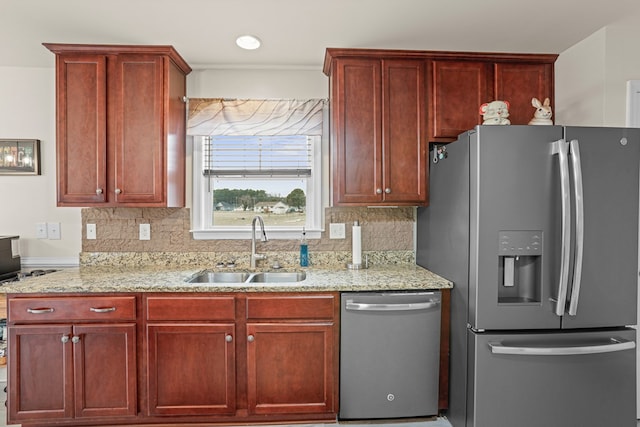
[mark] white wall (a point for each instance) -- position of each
(579, 83)
(27, 110)
(591, 76)
(258, 83)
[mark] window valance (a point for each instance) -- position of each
(209, 116)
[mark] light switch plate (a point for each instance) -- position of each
(91, 232)
(53, 230)
(41, 230)
(337, 230)
(145, 231)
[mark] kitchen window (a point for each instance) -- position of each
(241, 173)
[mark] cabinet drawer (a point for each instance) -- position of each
(190, 308)
(291, 307)
(72, 309)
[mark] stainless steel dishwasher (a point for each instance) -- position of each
(389, 354)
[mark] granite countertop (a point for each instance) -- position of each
(88, 279)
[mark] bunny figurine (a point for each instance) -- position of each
(542, 115)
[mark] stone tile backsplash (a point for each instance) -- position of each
(387, 237)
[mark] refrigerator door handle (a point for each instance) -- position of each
(361, 306)
(610, 347)
(579, 226)
(561, 148)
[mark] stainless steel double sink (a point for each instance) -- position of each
(215, 277)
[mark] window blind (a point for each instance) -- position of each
(240, 156)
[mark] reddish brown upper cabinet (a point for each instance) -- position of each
(386, 105)
(378, 130)
(121, 125)
(461, 82)
(458, 88)
(519, 82)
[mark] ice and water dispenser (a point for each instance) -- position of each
(520, 267)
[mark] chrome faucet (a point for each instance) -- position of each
(256, 256)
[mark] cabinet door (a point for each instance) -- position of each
(137, 125)
(104, 358)
(291, 368)
(518, 83)
(191, 369)
(40, 385)
(405, 142)
(357, 131)
(457, 90)
(81, 144)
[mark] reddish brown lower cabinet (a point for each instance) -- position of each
(173, 358)
(60, 372)
(292, 357)
(191, 357)
(241, 358)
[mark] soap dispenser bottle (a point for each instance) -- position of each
(304, 250)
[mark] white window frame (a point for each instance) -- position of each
(201, 209)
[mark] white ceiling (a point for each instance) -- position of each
(295, 33)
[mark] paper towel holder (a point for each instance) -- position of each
(352, 266)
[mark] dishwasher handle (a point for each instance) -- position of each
(362, 306)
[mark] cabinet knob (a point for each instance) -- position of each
(99, 191)
(118, 191)
(65, 339)
(228, 338)
(251, 338)
(387, 190)
(75, 339)
(378, 190)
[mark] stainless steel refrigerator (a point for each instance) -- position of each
(537, 226)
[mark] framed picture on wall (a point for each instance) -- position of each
(19, 157)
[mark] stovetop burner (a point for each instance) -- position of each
(15, 277)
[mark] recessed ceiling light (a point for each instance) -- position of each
(248, 42)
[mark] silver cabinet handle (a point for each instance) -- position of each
(118, 191)
(387, 190)
(561, 148)
(64, 339)
(40, 310)
(610, 347)
(99, 191)
(361, 306)
(378, 190)
(75, 339)
(251, 338)
(102, 309)
(579, 226)
(228, 338)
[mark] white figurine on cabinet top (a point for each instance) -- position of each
(495, 113)
(542, 115)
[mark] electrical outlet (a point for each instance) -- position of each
(53, 230)
(41, 230)
(145, 231)
(91, 232)
(337, 230)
